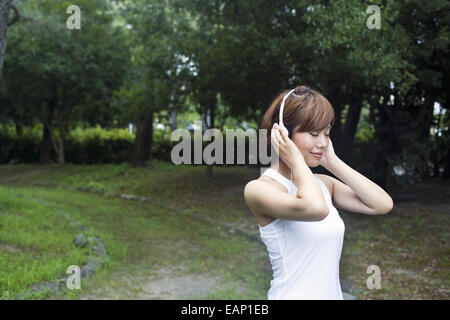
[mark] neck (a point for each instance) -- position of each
(282, 168)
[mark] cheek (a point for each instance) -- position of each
(303, 144)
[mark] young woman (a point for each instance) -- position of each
(296, 209)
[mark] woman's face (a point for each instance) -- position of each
(312, 145)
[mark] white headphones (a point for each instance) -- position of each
(281, 125)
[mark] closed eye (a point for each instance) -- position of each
(316, 134)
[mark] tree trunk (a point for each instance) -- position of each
(62, 138)
(209, 168)
(446, 173)
(45, 148)
(143, 142)
(223, 118)
(58, 144)
(381, 165)
(61, 157)
(46, 144)
(5, 6)
(19, 129)
(351, 123)
(337, 135)
(172, 117)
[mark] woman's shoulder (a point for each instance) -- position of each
(272, 182)
(258, 189)
(266, 181)
(261, 188)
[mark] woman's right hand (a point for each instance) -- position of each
(285, 147)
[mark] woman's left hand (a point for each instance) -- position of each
(328, 156)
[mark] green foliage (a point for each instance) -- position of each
(19, 149)
(85, 146)
(156, 75)
(414, 163)
(365, 132)
(68, 73)
(231, 56)
(81, 135)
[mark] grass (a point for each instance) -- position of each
(34, 242)
(410, 245)
(139, 236)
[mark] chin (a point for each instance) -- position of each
(313, 164)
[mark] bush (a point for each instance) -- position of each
(98, 145)
(18, 149)
(413, 164)
(83, 146)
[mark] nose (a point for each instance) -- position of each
(322, 142)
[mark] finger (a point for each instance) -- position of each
(283, 135)
(273, 140)
(278, 135)
(272, 134)
(281, 143)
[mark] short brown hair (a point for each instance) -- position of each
(304, 110)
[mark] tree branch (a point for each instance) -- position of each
(52, 135)
(16, 15)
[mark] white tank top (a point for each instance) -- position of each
(304, 255)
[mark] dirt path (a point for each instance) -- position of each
(163, 284)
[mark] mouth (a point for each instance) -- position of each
(317, 155)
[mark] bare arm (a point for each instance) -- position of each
(308, 188)
(264, 199)
(357, 193)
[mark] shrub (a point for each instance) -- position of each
(83, 146)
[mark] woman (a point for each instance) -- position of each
(295, 208)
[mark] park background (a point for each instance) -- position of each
(86, 117)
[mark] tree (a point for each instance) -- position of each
(157, 77)
(403, 113)
(68, 75)
(5, 7)
(271, 46)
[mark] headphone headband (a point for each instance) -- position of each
(282, 107)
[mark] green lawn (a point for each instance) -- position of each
(35, 241)
(409, 244)
(140, 237)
